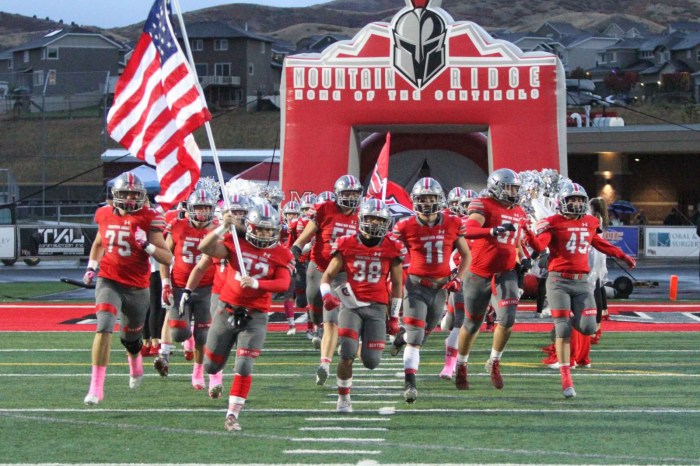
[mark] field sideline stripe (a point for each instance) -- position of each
(331, 452)
(579, 374)
(346, 418)
(573, 410)
(385, 361)
(344, 428)
(413, 446)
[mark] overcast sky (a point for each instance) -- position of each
(116, 13)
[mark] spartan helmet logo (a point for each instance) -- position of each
(419, 42)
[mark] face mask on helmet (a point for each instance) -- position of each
(467, 197)
(504, 185)
(374, 219)
(262, 226)
(291, 211)
(453, 200)
(572, 199)
(200, 207)
(348, 192)
(128, 193)
(427, 196)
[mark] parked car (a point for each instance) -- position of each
(620, 99)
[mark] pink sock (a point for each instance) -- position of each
(135, 364)
(97, 381)
(198, 372)
(216, 379)
(188, 345)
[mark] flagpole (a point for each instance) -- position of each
(210, 136)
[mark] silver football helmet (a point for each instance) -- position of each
(427, 196)
(567, 199)
(348, 191)
(128, 193)
(326, 196)
(504, 185)
(291, 208)
(453, 198)
(374, 218)
(467, 197)
(262, 226)
(198, 199)
(307, 202)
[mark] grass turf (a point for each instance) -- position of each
(637, 405)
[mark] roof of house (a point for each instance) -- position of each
(565, 29)
(53, 36)
(219, 30)
(690, 41)
(665, 40)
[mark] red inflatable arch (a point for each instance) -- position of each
(422, 73)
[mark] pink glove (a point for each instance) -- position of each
(392, 325)
(330, 302)
(631, 263)
(454, 285)
(167, 294)
(89, 276)
(141, 237)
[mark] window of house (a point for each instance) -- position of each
(697, 56)
(25, 56)
(197, 45)
(220, 44)
(9, 64)
(38, 77)
(263, 47)
(202, 69)
(222, 69)
(251, 69)
(52, 53)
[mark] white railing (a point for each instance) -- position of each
(220, 81)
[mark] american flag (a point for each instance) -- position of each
(377, 184)
(157, 106)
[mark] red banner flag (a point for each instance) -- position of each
(380, 175)
(157, 106)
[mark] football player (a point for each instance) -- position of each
(129, 233)
(306, 209)
(493, 222)
(241, 316)
(430, 237)
(331, 220)
(570, 234)
(290, 216)
(368, 258)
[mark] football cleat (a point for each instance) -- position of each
(198, 384)
(398, 343)
(321, 374)
(135, 381)
(343, 405)
(309, 334)
(292, 330)
(231, 423)
(215, 392)
(160, 364)
(146, 350)
(410, 393)
(461, 380)
(91, 400)
(569, 392)
(316, 341)
(189, 355)
(493, 367)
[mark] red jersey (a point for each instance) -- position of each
(332, 224)
(495, 254)
(124, 261)
(292, 233)
(220, 269)
(300, 225)
(186, 238)
(570, 241)
(170, 216)
(272, 267)
(368, 267)
(430, 246)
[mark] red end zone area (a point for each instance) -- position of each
(625, 317)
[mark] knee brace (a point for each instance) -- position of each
(133, 347)
(244, 365)
(562, 327)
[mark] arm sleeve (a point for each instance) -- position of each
(277, 284)
(539, 242)
(474, 230)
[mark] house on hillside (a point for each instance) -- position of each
(317, 43)
(234, 66)
(68, 68)
(623, 28)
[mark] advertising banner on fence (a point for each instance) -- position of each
(625, 238)
(43, 241)
(671, 242)
(8, 243)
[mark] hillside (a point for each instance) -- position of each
(351, 15)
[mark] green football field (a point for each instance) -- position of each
(638, 404)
